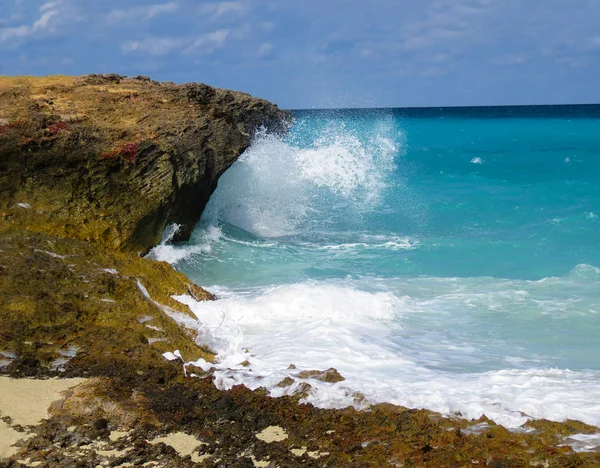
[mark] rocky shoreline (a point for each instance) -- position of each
(92, 169)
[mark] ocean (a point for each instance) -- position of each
(445, 259)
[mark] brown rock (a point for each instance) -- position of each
(286, 382)
(113, 160)
(69, 307)
(330, 375)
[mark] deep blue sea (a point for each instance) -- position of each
(438, 258)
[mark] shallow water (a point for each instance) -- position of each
(441, 258)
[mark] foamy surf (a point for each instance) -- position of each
(259, 334)
(277, 187)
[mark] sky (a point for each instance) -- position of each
(322, 53)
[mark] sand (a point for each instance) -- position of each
(8, 437)
(272, 434)
(26, 403)
(185, 445)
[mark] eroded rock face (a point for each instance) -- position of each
(113, 160)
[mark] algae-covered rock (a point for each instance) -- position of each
(162, 419)
(112, 160)
(91, 171)
(70, 307)
(331, 375)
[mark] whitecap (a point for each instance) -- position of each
(318, 325)
(276, 186)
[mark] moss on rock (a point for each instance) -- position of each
(69, 306)
(119, 420)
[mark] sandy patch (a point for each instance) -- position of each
(29, 463)
(317, 454)
(258, 463)
(185, 445)
(299, 452)
(272, 434)
(8, 437)
(112, 453)
(26, 401)
(116, 435)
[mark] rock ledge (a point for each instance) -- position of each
(113, 160)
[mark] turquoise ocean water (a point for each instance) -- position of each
(438, 258)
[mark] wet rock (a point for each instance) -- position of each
(286, 382)
(63, 300)
(129, 419)
(330, 375)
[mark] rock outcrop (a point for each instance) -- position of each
(92, 169)
(113, 160)
(66, 304)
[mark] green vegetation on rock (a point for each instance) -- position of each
(70, 305)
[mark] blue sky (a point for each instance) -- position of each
(326, 53)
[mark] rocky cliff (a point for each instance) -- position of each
(112, 160)
(92, 169)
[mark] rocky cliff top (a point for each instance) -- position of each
(113, 160)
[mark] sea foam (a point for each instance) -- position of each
(276, 187)
(322, 325)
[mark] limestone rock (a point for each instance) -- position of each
(72, 308)
(113, 160)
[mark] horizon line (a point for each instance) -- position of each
(444, 107)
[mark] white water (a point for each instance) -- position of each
(275, 187)
(321, 325)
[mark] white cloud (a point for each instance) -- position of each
(154, 45)
(445, 21)
(10, 33)
(51, 17)
(42, 23)
(265, 49)
(208, 43)
(576, 61)
(442, 57)
(47, 6)
(143, 12)
(433, 72)
(509, 60)
(216, 10)
(267, 26)
(205, 44)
